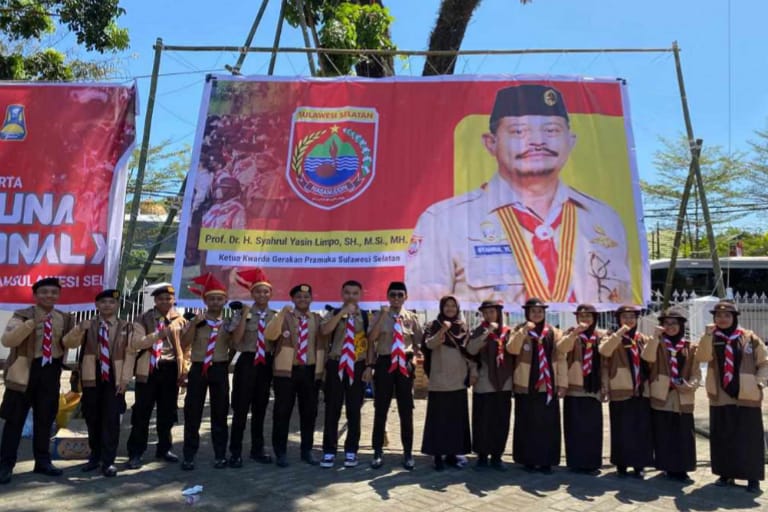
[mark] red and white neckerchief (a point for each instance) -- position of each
(157, 346)
(587, 355)
(303, 352)
(729, 370)
(499, 344)
(673, 350)
(398, 348)
(47, 339)
(545, 374)
(104, 350)
(261, 345)
(215, 325)
(347, 359)
(635, 351)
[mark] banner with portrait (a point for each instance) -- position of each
(482, 187)
(63, 155)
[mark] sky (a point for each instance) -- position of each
(722, 41)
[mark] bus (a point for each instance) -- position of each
(741, 274)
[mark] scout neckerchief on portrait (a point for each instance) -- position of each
(157, 346)
(347, 359)
(215, 325)
(398, 348)
(545, 376)
(303, 349)
(635, 362)
(729, 369)
(499, 342)
(261, 346)
(589, 343)
(673, 349)
(104, 350)
(47, 339)
(557, 267)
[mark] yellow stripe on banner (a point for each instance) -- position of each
(522, 254)
(565, 257)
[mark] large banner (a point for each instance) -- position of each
(480, 187)
(63, 153)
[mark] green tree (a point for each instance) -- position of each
(24, 24)
(758, 166)
(725, 179)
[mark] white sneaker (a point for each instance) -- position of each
(350, 460)
(327, 461)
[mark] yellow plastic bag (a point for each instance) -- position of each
(67, 404)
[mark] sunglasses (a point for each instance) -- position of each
(397, 295)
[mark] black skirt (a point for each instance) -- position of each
(736, 442)
(631, 433)
(536, 437)
(583, 429)
(674, 441)
(446, 428)
(490, 422)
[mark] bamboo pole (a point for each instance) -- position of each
(305, 33)
(136, 203)
(276, 45)
(248, 40)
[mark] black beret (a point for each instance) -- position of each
(397, 286)
(725, 305)
(300, 288)
(527, 100)
(534, 302)
(164, 289)
(108, 294)
(48, 281)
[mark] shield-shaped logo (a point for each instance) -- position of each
(332, 158)
(14, 124)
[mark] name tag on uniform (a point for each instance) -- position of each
(748, 348)
(527, 347)
(492, 250)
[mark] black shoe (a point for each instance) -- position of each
(309, 459)
(592, 472)
(262, 457)
(377, 461)
(724, 482)
(753, 486)
(482, 463)
(639, 473)
(90, 466)
(439, 464)
(529, 468)
(109, 471)
(47, 469)
(621, 471)
(168, 456)
(188, 465)
(409, 463)
(235, 461)
(282, 461)
(681, 477)
(547, 470)
(5, 474)
(498, 464)
(220, 463)
(134, 463)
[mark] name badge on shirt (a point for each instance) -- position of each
(492, 250)
(748, 348)
(527, 347)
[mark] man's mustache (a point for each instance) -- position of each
(528, 153)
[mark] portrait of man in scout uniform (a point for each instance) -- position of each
(524, 233)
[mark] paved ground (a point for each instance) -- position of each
(158, 486)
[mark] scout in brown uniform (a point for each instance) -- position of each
(446, 428)
(299, 362)
(32, 373)
(344, 384)
(210, 341)
(160, 368)
(492, 393)
(582, 405)
(674, 377)
(540, 378)
(252, 379)
(737, 372)
(106, 368)
(394, 335)
(629, 407)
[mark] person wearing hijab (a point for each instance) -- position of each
(540, 377)
(737, 372)
(492, 393)
(582, 405)
(674, 377)
(446, 428)
(626, 375)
